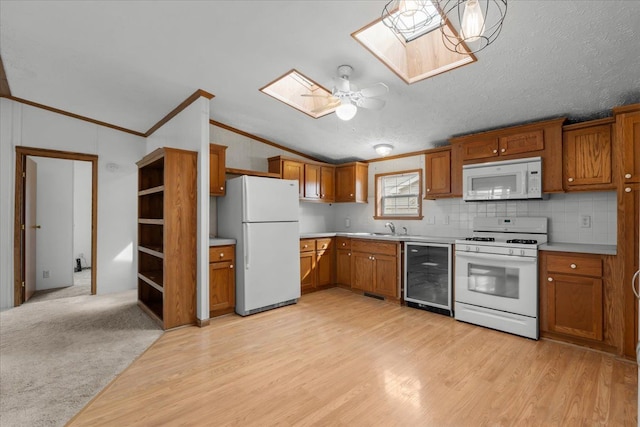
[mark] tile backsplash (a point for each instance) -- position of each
(453, 217)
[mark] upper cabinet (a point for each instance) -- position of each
(588, 156)
(322, 182)
(438, 173)
(628, 131)
(540, 139)
(217, 169)
(351, 182)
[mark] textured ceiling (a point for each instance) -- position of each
(130, 63)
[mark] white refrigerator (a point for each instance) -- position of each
(262, 215)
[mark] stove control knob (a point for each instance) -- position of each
(477, 249)
(468, 248)
(522, 252)
(510, 251)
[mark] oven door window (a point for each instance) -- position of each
(493, 280)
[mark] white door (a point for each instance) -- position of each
(270, 200)
(30, 228)
(271, 264)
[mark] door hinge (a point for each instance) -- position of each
(23, 284)
(22, 227)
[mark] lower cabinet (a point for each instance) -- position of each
(307, 265)
(572, 295)
(222, 282)
(317, 265)
(376, 267)
(343, 261)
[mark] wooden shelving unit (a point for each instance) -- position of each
(167, 200)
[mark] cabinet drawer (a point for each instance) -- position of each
(221, 253)
(307, 245)
(343, 242)
(373, 247)
(581, 265)
(322, 244)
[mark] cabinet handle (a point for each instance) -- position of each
(324, 246)
(222, 188)
(221, 255)
(373, 258)
(549, 279)
(349, 253)
(322, 195)
(428, 189)
(351, 195)
(305, 246)
(570, 179)
(627, 190)
(231, 266)
(627, 175)
(344, 244)
(503, 150)
(495, 151)
(573, 266)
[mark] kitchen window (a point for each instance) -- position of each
(399, 195)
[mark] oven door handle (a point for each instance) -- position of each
(493, 257)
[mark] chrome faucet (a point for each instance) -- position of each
(391, 227)
(406, 232)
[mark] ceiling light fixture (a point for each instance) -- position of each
(475, 23)
(410, 18)
(383, 149)
(346, 110)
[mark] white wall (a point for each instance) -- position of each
(189, 130)
(117, 188)
(54, 214)
(563, 211)
(82, 213)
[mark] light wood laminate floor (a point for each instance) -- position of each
(338, 359)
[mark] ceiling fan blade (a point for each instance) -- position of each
(377, 89)
(316, 96)
(330, 105)
(370, 103)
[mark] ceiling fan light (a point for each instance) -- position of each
(346, 110)
(383, 149)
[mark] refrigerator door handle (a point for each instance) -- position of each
(245, 238)
(245, 200)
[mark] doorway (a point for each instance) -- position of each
(23, 228)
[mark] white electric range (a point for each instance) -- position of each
(496, 274)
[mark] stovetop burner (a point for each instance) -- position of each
(481, 239)
(523, 241)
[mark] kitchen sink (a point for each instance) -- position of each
(372, 234)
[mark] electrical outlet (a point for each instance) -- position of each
(347, 222)
(585, 221)
(431, 220)
(45, 274)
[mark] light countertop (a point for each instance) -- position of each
(221, 242)
(579, 248)
(390, 237)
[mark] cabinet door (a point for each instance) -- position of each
(386, 275)
(324, 267)
(307, 271)
(629, 131)
(629, 200)
(575, 305)
(327, 184)
(480, 149)
(362, 271)
(222, 288)
(311, 181)
(525, 142)
(438, 173)
(217, 169)
(587, 157)
(295, 171)
(345, 183)
(343, 267)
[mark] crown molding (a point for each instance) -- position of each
(190, 100)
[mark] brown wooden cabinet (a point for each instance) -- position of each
(217, 169)
(352, 182)
(167, 194)
(222, 280)
(438, 173)
(540, 139)
(307, 265)
(343, 261)
(328, 184)
(288, 169)
(311, 181)
(325, 265)
(572, 297)
(627, 137)
(376, 267)
(588, 156)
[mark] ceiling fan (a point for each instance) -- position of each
(347, 97)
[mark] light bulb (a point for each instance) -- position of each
(472, 21)
(346, 110)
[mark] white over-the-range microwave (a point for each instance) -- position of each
(518, 179)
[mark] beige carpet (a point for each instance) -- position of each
(81, 286)
(55, 355)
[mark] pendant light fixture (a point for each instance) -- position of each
(410, 18)
(475, 23)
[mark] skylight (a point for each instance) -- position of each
(301, 93)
